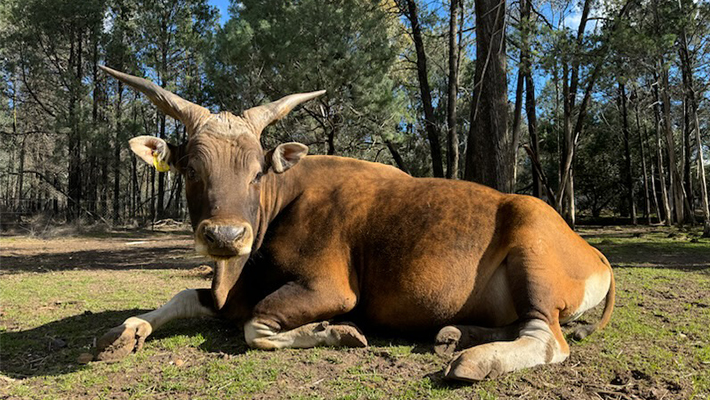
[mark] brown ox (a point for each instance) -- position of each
(302, 240)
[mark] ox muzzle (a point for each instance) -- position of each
(222, 238)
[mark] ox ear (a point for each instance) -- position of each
(153, 151)
(287, 155)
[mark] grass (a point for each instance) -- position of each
(656, 346)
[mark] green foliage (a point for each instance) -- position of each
(271, 49)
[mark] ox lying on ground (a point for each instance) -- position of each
(302, 240)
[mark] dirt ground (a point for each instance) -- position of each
(59, 294)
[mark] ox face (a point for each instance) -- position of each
(223, 164)
(222, 184)
(223, 172)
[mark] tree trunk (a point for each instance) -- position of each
(628, 174)
(565, 199)
(653, 186)
(647, 200)
(701, 177)
(665, 196)
(74, 142)
(517, 116)
(117, 153)
(422, 74)
(452, 154)
(396, 156)
(488, 140)
(686, 64)
(686, 159)
(675, 179)
(21, 173)
(331, 141)
(526, 64)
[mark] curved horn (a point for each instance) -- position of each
(171, 104)
(262, 116)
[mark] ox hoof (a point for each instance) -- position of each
(447, 340)
(122, 341)
(469, 368)
(348, 335)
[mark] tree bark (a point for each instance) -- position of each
(641, 140)
(488, 140)
(452, 154)
(675, 179)
(117, 153)
(666, 199)
(628, 174)
(688, 80)
(654, 194)
(517, 116)
(530, 106)
(161, 176)
(423, 76)
(74, 142)
(21, 172)
(396, 156)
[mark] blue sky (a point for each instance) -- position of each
(222, 5)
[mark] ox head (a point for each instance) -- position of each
(223, 164)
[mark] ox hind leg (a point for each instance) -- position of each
(537, 342)
(130, 336)
(453, 338)
(536, 338)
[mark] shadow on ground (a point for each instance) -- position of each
(160, 257)
(682, 256)
(53, 348)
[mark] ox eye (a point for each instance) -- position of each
(257, 178)
(191, 174)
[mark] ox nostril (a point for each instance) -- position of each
(234, 233)
(210, 235)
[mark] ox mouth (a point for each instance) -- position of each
(221, 254)
(222, 257)
(229, 254)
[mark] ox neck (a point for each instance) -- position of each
(277, 192)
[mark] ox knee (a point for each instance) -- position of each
(262, 335)
(538, 343)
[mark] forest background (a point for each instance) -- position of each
(599, 107)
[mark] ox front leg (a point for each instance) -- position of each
(538, 343)
(294, 317)
(130, 336)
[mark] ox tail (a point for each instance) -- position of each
(584, 331)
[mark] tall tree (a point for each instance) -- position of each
(628, 166)
(425, 90)
(526, 31)
(487, 159)
(452, 138)
(687, 64)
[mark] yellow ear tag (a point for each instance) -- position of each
(160, 165)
